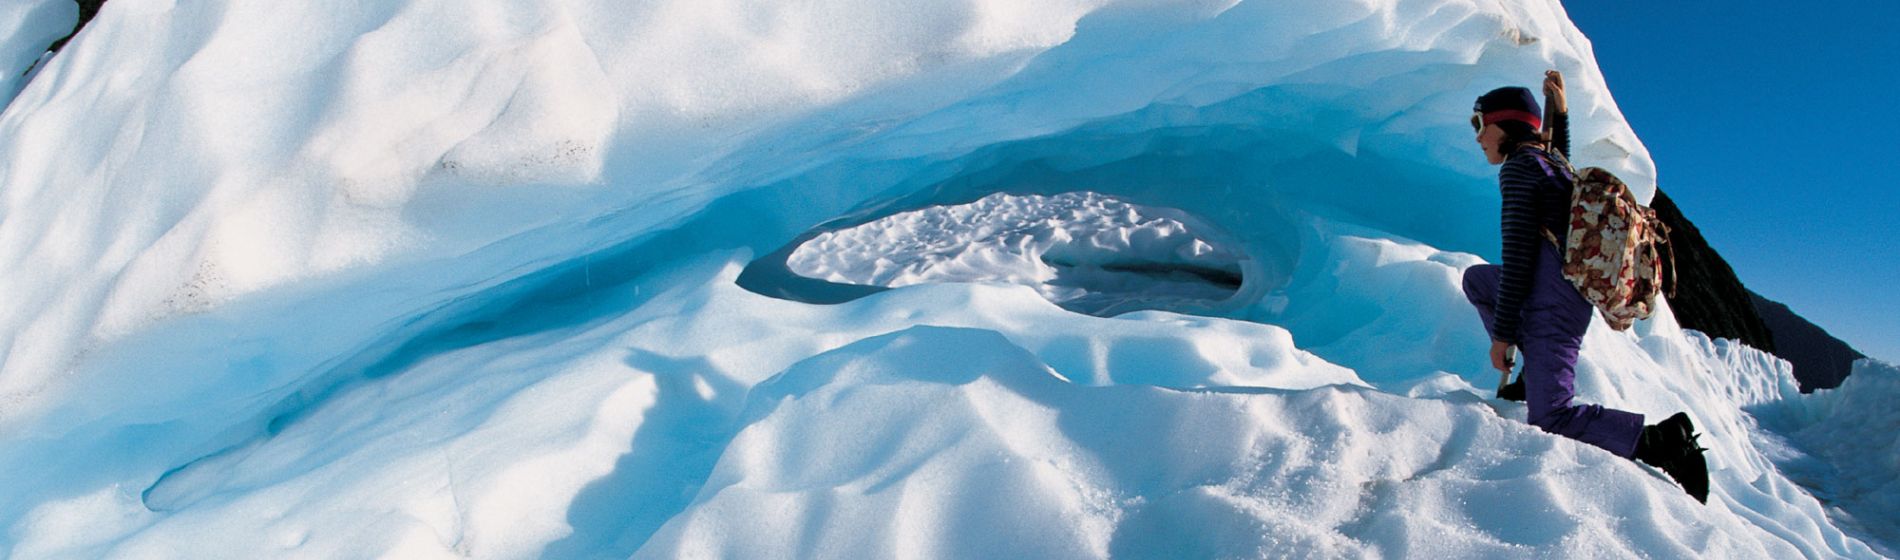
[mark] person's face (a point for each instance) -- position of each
(1488, 138)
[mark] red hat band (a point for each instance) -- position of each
(1511, 115)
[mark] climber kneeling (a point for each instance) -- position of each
(1527, 302)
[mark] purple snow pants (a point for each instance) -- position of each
(1555, 318)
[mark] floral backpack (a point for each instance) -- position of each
(1616, 245)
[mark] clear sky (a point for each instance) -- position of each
(1773, 125)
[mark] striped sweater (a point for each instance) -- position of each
(1533, 201)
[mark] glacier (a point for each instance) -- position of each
(504, 279)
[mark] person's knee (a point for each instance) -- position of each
(1478, 279)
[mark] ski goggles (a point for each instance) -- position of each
(1478, 120)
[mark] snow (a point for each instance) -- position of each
(1841, 442)
(1087, 252)
(436, 279)
(904, 426)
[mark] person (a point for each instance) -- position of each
(1526, 303)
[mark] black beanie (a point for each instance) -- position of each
(1510, 104)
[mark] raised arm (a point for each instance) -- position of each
(1556, 113)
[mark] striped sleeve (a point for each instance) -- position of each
(1518, 181)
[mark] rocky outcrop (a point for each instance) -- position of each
(1820, 360)
(1711, 299)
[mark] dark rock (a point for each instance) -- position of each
(1711, 299)
(1820, 360)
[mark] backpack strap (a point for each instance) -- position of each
(1543, 160)
(1670, 291)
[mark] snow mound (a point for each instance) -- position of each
(1845, 442)
(582, 441)
(1082, 250)
(909, 444)
(945, 420)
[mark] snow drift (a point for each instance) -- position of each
(435, 278)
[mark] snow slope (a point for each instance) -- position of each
(447, 279)
(1840, 443)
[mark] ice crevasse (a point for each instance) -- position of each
(510, 279)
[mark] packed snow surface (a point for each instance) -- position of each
(428, 278)
(1842, 444)
(1082, 250)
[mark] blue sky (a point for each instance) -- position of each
(1774, 126)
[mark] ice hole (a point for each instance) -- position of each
(1087, 252)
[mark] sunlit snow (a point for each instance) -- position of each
(428, 278)
(1084, 251)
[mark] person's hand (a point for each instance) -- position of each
(1554, 90)
(1501, 356)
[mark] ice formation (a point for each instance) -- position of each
(437, 279)
(27, 27)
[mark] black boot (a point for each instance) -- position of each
(1513, 391)
(1670, 445)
